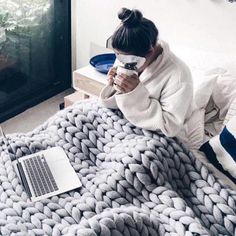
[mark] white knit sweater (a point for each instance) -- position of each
(162, 100)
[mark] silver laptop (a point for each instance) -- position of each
(45, 173)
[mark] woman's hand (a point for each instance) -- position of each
(126, 83)
(111, 75)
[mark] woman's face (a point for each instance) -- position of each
(126, 59)
(118, 52)
(149, 58)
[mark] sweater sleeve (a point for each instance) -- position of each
(167, 113)
(107, 97)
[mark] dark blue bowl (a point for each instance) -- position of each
(103, 62)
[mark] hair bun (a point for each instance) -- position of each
(130, 17)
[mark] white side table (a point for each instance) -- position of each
(88, 83)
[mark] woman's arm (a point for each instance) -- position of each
(107, 95)
(167, 113)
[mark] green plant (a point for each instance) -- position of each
(21, 23)
(18, 15)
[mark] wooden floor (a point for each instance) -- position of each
(34, 116)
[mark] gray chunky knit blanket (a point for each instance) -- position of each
(135, 182)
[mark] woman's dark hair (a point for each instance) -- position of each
(136, 34)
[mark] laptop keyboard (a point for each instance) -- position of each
(40, 175)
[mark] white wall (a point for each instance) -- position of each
(208, 25)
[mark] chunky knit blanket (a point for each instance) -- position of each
(134, 182)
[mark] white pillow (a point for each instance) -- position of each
(220, 86)
(201, 61)
(224, 93)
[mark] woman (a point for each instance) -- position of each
(160, 95)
